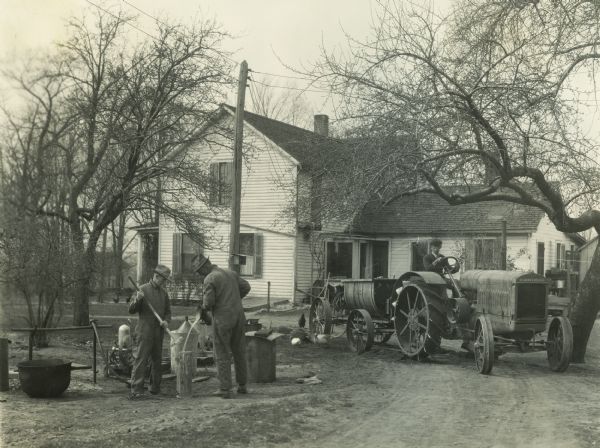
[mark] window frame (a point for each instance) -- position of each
(178, 254)
(257, 256)
(221, 176)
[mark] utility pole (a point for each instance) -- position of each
(236, 184)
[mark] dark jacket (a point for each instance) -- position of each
(223, 294)
(159, 299)
(429, 266)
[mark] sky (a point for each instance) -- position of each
(267, 32)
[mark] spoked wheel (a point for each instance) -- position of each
(319, 319)
(483, 347)
(418, 324)
(560, 344)
(360, 331)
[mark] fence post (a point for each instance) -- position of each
(268, 297)
(4, 364)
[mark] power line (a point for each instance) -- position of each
(126, 21)
(283, 76)
(166, 24)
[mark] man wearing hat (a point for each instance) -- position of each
(223, 293)
(150, 331)
(434, 261)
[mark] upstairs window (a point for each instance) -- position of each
(221, 175)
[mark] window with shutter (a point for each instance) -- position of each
(221, 175)
(251, 249)
(184, 251)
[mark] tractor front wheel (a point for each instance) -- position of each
(560, 344)
(483, 347)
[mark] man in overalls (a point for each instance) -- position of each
(223, 293)
(150, 331)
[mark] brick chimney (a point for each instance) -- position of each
(322, 125)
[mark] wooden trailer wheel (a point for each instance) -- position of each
(418, 324)
(483, 347)
(560, 344)
(360, 331)
(319, 319)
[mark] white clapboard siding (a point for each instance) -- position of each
(546, 233)
(268, 192)
(306, 268)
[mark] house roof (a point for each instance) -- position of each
(431, 215)
(302, 144)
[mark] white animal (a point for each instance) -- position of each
(124, 338)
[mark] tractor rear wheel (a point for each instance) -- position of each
(418, 322)
(560, 344)
(319, 319)
(483, 347)
(360, 331)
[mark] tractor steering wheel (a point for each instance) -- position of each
(451, 265)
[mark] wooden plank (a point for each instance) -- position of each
(199, 379)
(59, 328)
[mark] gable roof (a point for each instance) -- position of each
(428, 214)
(302, 144)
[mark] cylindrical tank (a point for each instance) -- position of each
(178, 339)
(369, 294)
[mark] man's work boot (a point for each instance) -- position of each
(242, 389)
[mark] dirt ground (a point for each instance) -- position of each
(376, 399)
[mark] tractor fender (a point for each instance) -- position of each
(431, 278)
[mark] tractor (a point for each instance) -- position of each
(493, 312)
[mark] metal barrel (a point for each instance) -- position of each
(369, 294)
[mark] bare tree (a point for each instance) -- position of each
(127, 116)
(284, 103)
(487, 97)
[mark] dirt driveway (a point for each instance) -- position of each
(376, 399)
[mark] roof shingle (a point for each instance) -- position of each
(429, 214)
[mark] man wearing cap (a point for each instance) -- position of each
(223, 293)
(150, 331)
(434, 261)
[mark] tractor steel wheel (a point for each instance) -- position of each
(319, 319)
(418, 323)
(560, 344)
(360, 331)
(483, 346)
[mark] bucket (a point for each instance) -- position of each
(178, 339)
(260, 356)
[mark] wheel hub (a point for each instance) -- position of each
(413, 320)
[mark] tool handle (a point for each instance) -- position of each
(149, 304)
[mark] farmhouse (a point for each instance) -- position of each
(286, 248)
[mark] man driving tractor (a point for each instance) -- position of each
(434, 261)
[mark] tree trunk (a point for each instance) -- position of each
(102, 276)
(86, 259)
(118, 251)
(585, 308)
